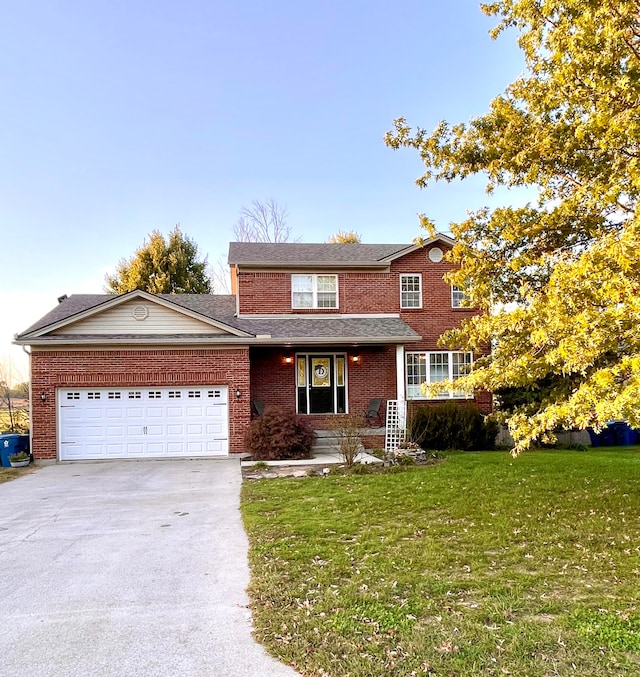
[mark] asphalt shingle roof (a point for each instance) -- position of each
(292, 254)
(222, 309)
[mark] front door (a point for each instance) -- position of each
(321, 383)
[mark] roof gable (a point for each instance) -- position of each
(106, 314)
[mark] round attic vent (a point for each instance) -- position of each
(435, 254)
(140, 312)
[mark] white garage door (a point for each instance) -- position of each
(143, 422)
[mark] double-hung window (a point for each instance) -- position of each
(436, 367)
(314, 291)
(458, 297)
(411, 291)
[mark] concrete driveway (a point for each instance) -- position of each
(126, 568)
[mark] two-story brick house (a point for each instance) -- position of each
(315, 328)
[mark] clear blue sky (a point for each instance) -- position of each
(120, 117)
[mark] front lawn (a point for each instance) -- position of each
(481, 565)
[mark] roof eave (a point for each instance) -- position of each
(311, 264)
(213, 340)
(333, 340)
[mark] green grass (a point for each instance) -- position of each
(481, 565)
(8, 474)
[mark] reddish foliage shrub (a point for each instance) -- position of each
(279, 435)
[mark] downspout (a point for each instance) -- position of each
(24, 349)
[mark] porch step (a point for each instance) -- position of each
(328, 440)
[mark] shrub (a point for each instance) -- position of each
(452, 426)
(347, 428)
(279, 435)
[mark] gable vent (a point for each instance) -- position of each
(436, 254)
(140, 312)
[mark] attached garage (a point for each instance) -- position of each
(151, 422)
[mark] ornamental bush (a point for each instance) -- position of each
(278, 435)
(451, 425)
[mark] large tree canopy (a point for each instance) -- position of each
(560, 279)
(163, 267)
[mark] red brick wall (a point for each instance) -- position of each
(367, 292)
(359, 292)
(145, 367)
(274, 382)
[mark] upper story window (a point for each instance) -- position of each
(458, 297)
(314, 291)
(411, 291)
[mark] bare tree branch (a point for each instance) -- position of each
(263, 222)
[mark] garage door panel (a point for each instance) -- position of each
(142, 423)
(94, 450)
(155, 449)
(215, 429)
(216, 447)
(72, 414)
(135, 412)
(195, 412)
(176, 448)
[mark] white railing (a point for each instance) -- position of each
(396, 424)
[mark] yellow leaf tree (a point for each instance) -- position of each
(559, 279)
(345, 237)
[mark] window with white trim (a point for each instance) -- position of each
(458, 297)
(314, 291)
(436, 367)
(411, 291)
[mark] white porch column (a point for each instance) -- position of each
(400, 380)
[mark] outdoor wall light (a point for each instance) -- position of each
(288, 359)
(43, 397)
(355, 358)
(238, 393)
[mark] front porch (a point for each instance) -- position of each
(322, 385)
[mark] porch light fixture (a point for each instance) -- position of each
(288, 359)
(355, 358)
(238, 393)
(43, 396)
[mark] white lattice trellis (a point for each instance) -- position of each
(396, 424)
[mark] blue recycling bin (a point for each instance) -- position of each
(625, 435)
(608, 437)
(595, 437)
(12, 443)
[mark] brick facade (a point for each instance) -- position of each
(262, 373)
(145, 367)
(273, 381)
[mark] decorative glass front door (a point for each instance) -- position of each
(321, 383)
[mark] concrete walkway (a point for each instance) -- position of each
(127, 568)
